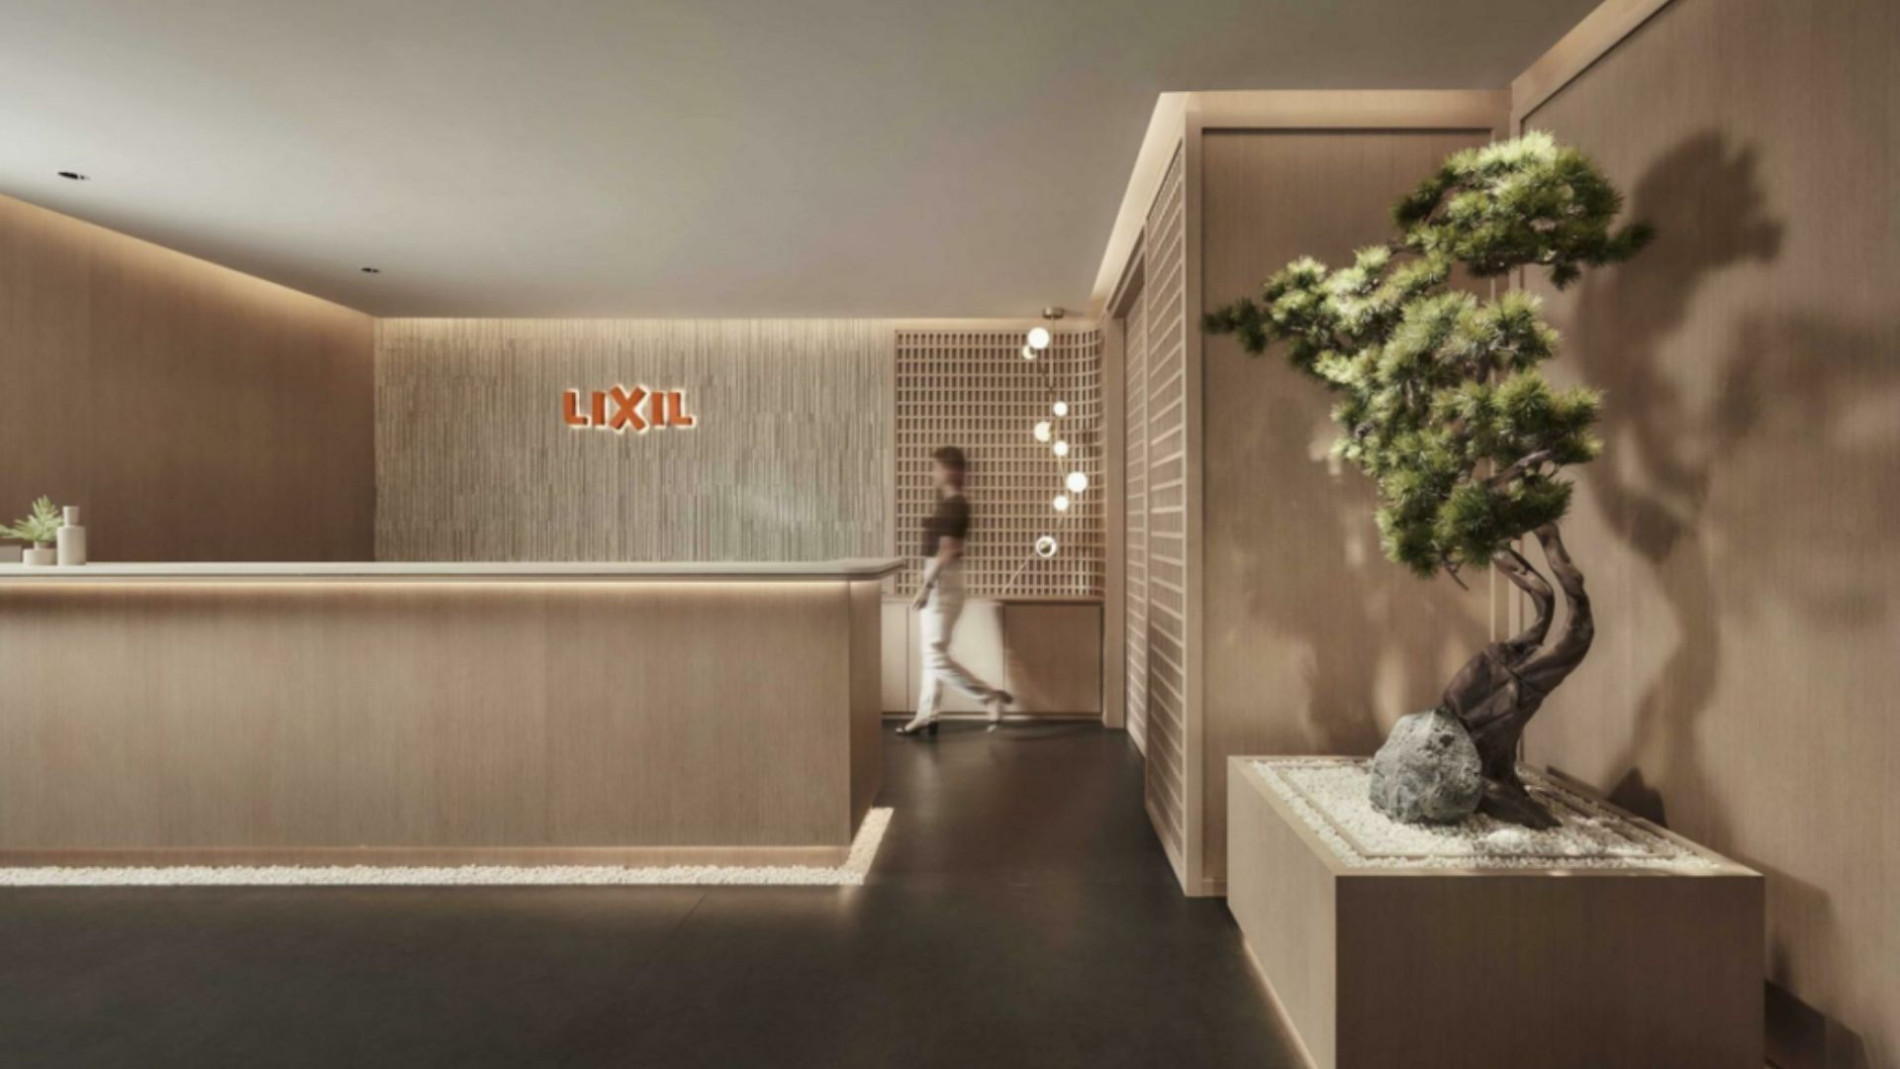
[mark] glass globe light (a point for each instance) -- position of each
(1061, 502)
(1044, 431)
(1078, 482)
(1039, 338)
(1028, 353)
(1062, 448)
(1046, 546)
(1061, 408)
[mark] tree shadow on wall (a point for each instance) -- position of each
(1372, 637)
(1661, 447)
(1717, 492)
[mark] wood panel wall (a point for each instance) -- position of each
(332, 716)
(790, 458)
(1315, 643)
(1741, 533)
(192, 412)
(1046, 652)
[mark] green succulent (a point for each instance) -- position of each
(39, 527)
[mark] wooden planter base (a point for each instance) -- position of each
(1380, 962)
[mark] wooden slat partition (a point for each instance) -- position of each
(1165, 464)
(1135, 466)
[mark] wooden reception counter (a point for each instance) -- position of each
(438, 713)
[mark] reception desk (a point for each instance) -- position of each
(438, 713)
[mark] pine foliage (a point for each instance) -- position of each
(1440, 397)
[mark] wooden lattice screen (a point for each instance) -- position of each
(1163, 455)
(973, 389)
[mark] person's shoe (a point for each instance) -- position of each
(999, 701)
(914, 728)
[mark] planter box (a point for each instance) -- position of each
(1645, 952)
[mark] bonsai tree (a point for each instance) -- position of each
(40, 528)
(1441, 403)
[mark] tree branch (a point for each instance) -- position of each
(1484, 690)
(1527, 578)
(1580, 629)
(1523, 464)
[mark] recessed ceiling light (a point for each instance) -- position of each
(73, 176)
(371, 270)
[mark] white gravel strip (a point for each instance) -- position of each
(1332, 796)
(851, 874)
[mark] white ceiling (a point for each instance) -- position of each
(914, 158)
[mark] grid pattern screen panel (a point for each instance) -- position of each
(1165, 454)
(973, 389)
(1135, 498)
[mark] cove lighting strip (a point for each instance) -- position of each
(856, 866)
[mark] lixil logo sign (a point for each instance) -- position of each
(624, 409)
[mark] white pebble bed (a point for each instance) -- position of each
(850, 874)
(1332, 795)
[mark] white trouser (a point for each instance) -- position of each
(936, 624)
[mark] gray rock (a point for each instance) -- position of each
(1428, 771)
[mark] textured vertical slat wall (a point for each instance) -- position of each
(1165, 304)
(974, 390)
(790, 459)
(1135, 505)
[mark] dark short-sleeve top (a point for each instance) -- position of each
(951, 520)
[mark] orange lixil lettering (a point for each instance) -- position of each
(570, 409)
(627, 405)
(676, 409)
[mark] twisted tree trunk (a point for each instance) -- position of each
(1497, 692)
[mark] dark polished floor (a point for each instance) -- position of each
(1020, 914)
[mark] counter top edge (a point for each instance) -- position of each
(853, 569)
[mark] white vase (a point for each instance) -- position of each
(39, 557)
(72, 540)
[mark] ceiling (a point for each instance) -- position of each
(903, 158)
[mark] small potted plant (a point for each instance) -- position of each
(39, 530)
